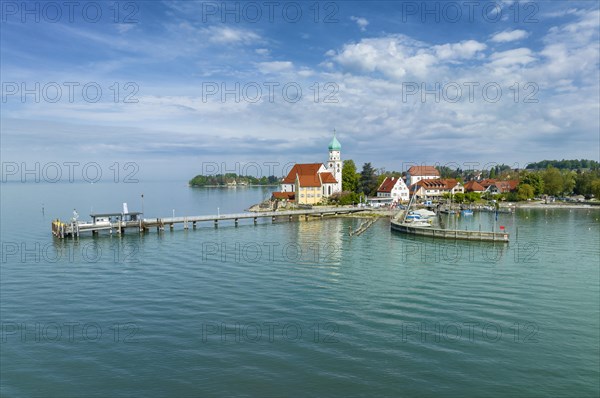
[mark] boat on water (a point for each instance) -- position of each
(467, 212)
(412, 223)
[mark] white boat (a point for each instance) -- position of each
(424, 213)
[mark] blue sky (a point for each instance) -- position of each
(361, 68)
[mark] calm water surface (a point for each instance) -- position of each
(291, 309)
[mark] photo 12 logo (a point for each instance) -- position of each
(271, 92)
(269, 331)
(125, 12)
(70, 332)
(55, 172)
(453, 92)
(468, 11)
(53, 92)
(269, 11)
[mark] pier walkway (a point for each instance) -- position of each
(75, 228)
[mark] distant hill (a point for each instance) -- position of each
(564, 164)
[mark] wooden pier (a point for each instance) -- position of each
(119, 222)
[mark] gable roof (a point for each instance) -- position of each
(302, 169)
(388, 184)
(487, 182)
(506, 186)
(474, 186)
(423, 171)
(438, 183)
(328, 178)
(308, 175)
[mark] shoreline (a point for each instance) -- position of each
(556, 206)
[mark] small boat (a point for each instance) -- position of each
(467, 212)
(424, 214)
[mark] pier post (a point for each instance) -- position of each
(185, 224)
(273, 218)
(236, 222)
(171, 226)
(194, 224)
(290, 217)
(216, 223)
(306, 217)
(255, 220)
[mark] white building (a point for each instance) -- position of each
(418, 173)
(395, 188)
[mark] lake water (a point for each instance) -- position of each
(291, 309)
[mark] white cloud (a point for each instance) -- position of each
(229, 35)
(509, 35)
(361, 22)
(463, 50)
(398, 56)
(275, 66)
(518, 56)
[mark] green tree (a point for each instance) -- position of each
(459, 197)
(349, 176)
(471, 197)
(368, 179)
(568, 177)
(524, 192)
(553, 181)
(596, 189)
(534, 179)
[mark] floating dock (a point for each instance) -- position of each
(119, 222)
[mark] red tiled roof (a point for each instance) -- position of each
(388, 184)
(423, 171)
(308, 175)
(487, 182)
(506, 186)
(284, 195)
(328, 178)
(438, 183)
(474, 186)
(301, 169)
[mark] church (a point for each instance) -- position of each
(310, 183)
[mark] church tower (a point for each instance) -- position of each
(334, 165)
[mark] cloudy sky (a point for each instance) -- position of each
(175, 85)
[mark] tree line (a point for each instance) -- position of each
(230, 178)
(553, 181)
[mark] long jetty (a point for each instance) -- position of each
(75, 228)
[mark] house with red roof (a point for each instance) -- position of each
(418, 173)
(498, 187)
(474, 186)
(433, 188)
(394, 188)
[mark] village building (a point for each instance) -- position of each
(418, 173)
(310, 183)
(474, 186)
(393, 188)
(499, 187)
(436, 188)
